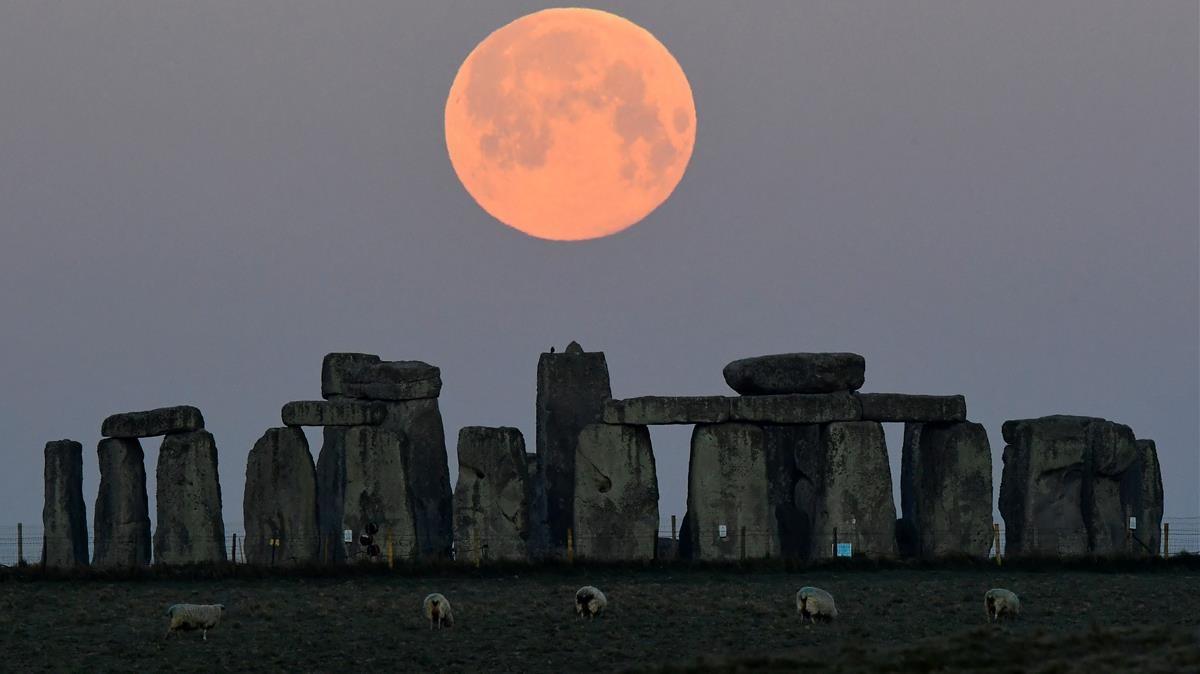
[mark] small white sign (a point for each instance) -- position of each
(348, 536)
(1132, 522)
(722, 531)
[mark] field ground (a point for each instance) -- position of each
(660, 619)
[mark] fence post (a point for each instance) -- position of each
(673, 528)
(1128, 533)
(742, 536)
(20, 544)
(996, 543)
(1166, 542)
(570, 545)
(835, 542)
(391, 553)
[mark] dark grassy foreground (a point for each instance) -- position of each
(678, 619)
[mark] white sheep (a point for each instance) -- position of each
(203, 617)
(814, 603)
(999, 602)
(589, 602)
(437, 611)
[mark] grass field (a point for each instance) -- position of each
(677, 619)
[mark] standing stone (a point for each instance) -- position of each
(189, 528)
(427, 470)
(365, 376)
(539, 535)
(1142, 497)
(151, 423)
(64, 515)
(796, 373)
(362, 483)
(1114, 450)
(571, 390)
(783, 444)
(492, 497)
(616, 494)
(280, 501)
(122, 517)
(854, 491)
(728, 494)
(946, 490)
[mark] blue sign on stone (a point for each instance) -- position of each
(844, 550)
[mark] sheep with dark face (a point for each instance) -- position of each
(187, 617)
(815, 604)
(998, 603)
(589, 602)
(437, 611)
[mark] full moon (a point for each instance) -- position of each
(570, 124)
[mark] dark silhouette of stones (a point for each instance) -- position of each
(849, 489)
(781, 447)
(181, 419)
(728, 494)
(1142, 497)
(657, 410)
(333, 413)
(946, 490)
(427, 471)
(1061, 492)
(280, 501)
(189, 528)
(903, 407)
(362, 486)
(493, 495)
(796, 373)
(365, 376)
(811, 408)
(64, 515)
(571, 390)
(539, 531)
(616, 494)
(122, 518)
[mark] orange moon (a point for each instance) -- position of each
(570, 124)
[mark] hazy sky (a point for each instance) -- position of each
(198, 200)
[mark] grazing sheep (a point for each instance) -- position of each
(814, 603)
(203, 617)
(589, 602)
(437, 610)
(999, 602)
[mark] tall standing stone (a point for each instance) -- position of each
(190, 529)
(539, 535)
(280, 501)
(362, 485)
(616, 494)
(64, 515)
(1114, 450)
(428, 471)
(571, 390)
(854, 491)
(946, 490)
(728, 494)
(492, 497)
(1142, 497)
(122, 517)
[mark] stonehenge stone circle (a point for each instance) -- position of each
(189, 529)
(280, 501)
(1142, 497)
(333, 413)
(151, 423)
(493, 495)
(903, 407)
(571, 390)
(616, 494)
(122, 518)
(362, 480)
(796, 373)
(728, 494)
(64, 515)
(854, 491)
(367, 377)
(946, 490)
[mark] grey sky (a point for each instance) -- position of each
(200, 199)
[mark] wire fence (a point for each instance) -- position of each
(20, 543)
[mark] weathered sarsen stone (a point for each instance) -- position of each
(64, 515)
(946, 490)
(853, 491)
(362, 486)
(333, 413)
(903, 407)
(798, 408)
(658, 410)
(427, 471)
(1142, 498)
(189, 529)
(728, 509)
(492, 497)
(122, 518)
(571, 390)
(616, 494)
(366, 376)
(150, 423)
(796, 373)
(1114, 451)
(280, 501)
